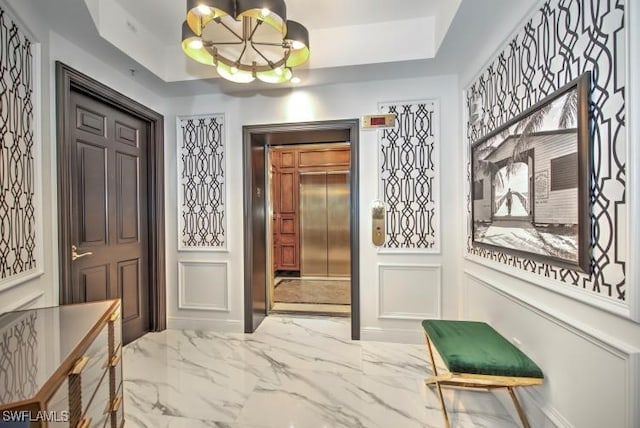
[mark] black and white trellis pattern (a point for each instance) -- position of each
(563, 39)
(17, 151)
(201, 175)
(409, 176)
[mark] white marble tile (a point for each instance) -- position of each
(469, 408)
(311, 326)
(385, 359)
(170, 379)
(322, 399)
(140, 420)
(308, 344)
(294, 372)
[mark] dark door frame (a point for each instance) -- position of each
(68, 79)
(288, 133)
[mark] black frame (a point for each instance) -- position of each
(292, 133)
(584, 166)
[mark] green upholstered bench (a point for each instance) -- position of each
(477, 356)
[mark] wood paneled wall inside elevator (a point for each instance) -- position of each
(287, 165)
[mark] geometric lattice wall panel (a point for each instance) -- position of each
(201, 183)
(203, 285)
(18, 156)
(561, 40)
(409, 291)
(409, 170)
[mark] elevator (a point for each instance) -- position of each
(310, 201)
(324, 224)
(276, 159)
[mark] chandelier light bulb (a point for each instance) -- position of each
(278, 71)
(204, 10)
(297, 45)
(265, 12)
(195, 44)
(233, 70)
(295, 80)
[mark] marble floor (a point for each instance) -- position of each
(293, 372)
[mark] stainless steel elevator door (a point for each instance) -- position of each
(313, 224)
(324, 220)
(338, 229)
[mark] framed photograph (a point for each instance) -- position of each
(530, 181)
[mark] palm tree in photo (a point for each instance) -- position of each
(532, 123)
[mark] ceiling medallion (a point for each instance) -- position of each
(245, 39)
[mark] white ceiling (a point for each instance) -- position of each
(342, 32)
(419, 38)
(163, 17)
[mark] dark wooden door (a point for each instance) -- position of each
(109, 209)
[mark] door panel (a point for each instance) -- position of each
(109, 220)
(92, 185)
(95, 282)
(285, 211)
(91, 122)
(288, 192)
(287, 253)
(128, 284)
(128, 203)
(126, 134)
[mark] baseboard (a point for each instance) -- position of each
(222, 326)
(376, 334)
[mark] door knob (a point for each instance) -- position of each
(75, 255)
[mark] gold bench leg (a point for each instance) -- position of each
(523, 417)
(434, 379)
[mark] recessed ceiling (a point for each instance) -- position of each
(342, 32)
(131, 42)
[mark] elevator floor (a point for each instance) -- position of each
(326, 296)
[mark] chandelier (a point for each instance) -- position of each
(245, 39)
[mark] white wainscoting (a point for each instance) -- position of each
(585, 369)
(409, 291)
(203, 285)
(29, 301)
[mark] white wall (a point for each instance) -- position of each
(590, 357)
(44, 290)
(343, 101)
(439, 293)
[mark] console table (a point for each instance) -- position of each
(61, 366)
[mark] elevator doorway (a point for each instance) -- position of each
(257, 140)
(309, 202)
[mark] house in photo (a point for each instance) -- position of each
(536, 193)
